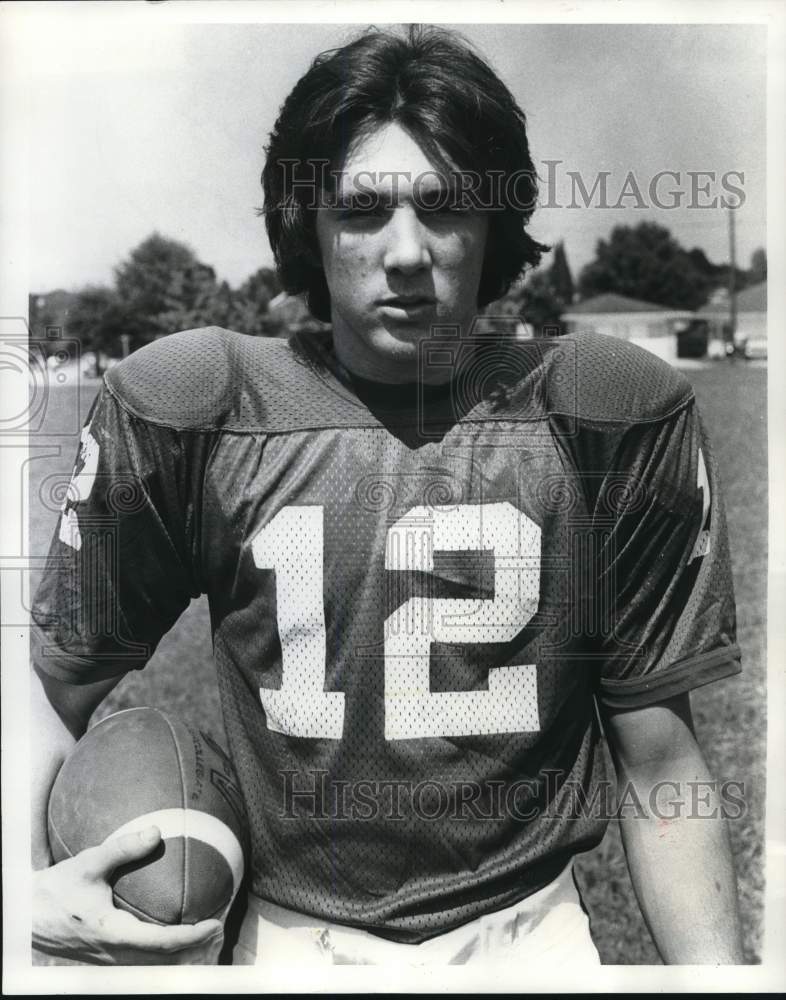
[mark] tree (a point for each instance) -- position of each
(196, 299)
(167, 288)
(48, 319)
(252, 302)
(718, 275)
(160, 288)
(546, 293)
(532, 302)
(646, 262)
(714, 272)
(560, 278)
(541, 306)
(99, 318)
(260, 287)
(758, 269)
(40, 315)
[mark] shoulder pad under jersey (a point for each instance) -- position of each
(211, 378)
(605, 379)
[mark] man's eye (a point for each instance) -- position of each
(359, 212)
(448, 208)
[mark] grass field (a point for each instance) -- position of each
(730, 715)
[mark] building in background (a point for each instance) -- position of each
(750, 336)
(651, 326)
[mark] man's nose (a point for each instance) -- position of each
(407, 242)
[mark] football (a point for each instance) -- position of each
(139, 768)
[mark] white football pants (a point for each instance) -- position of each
(548, 928)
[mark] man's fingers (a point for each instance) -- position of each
(125, 929)
(101, 861)
(112, 935)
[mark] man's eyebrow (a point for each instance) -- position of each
(358, 199)
(376, 191)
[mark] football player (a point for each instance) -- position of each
(441, 565)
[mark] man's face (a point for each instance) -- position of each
(398, 269)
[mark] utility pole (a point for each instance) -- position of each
(732, 278)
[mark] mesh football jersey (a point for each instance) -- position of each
(417, 596)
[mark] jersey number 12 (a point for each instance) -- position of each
(292, 545)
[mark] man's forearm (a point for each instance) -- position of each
(682, 869)
(53, 733)
(51, 743)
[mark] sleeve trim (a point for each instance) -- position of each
(70, 669)
(695, 672)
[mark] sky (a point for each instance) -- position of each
(136, 126)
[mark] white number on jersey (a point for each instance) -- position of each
(292, 545)
(702, 544)
(510, 704)
(79, 489)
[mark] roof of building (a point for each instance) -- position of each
(611, 302)
(751, 299)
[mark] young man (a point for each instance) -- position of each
(430, 553)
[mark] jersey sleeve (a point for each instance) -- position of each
(120, 567)
(665, 593)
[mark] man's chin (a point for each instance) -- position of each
(385, 351)
(395, 334)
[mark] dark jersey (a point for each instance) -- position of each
(417, 596)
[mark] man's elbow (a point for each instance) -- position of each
(72, 703)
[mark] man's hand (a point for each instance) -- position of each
(74, 916)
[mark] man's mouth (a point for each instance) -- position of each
(408, 303)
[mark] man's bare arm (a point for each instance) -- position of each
(59, 716)
(682, 868)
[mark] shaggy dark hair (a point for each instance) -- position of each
(449, 100)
